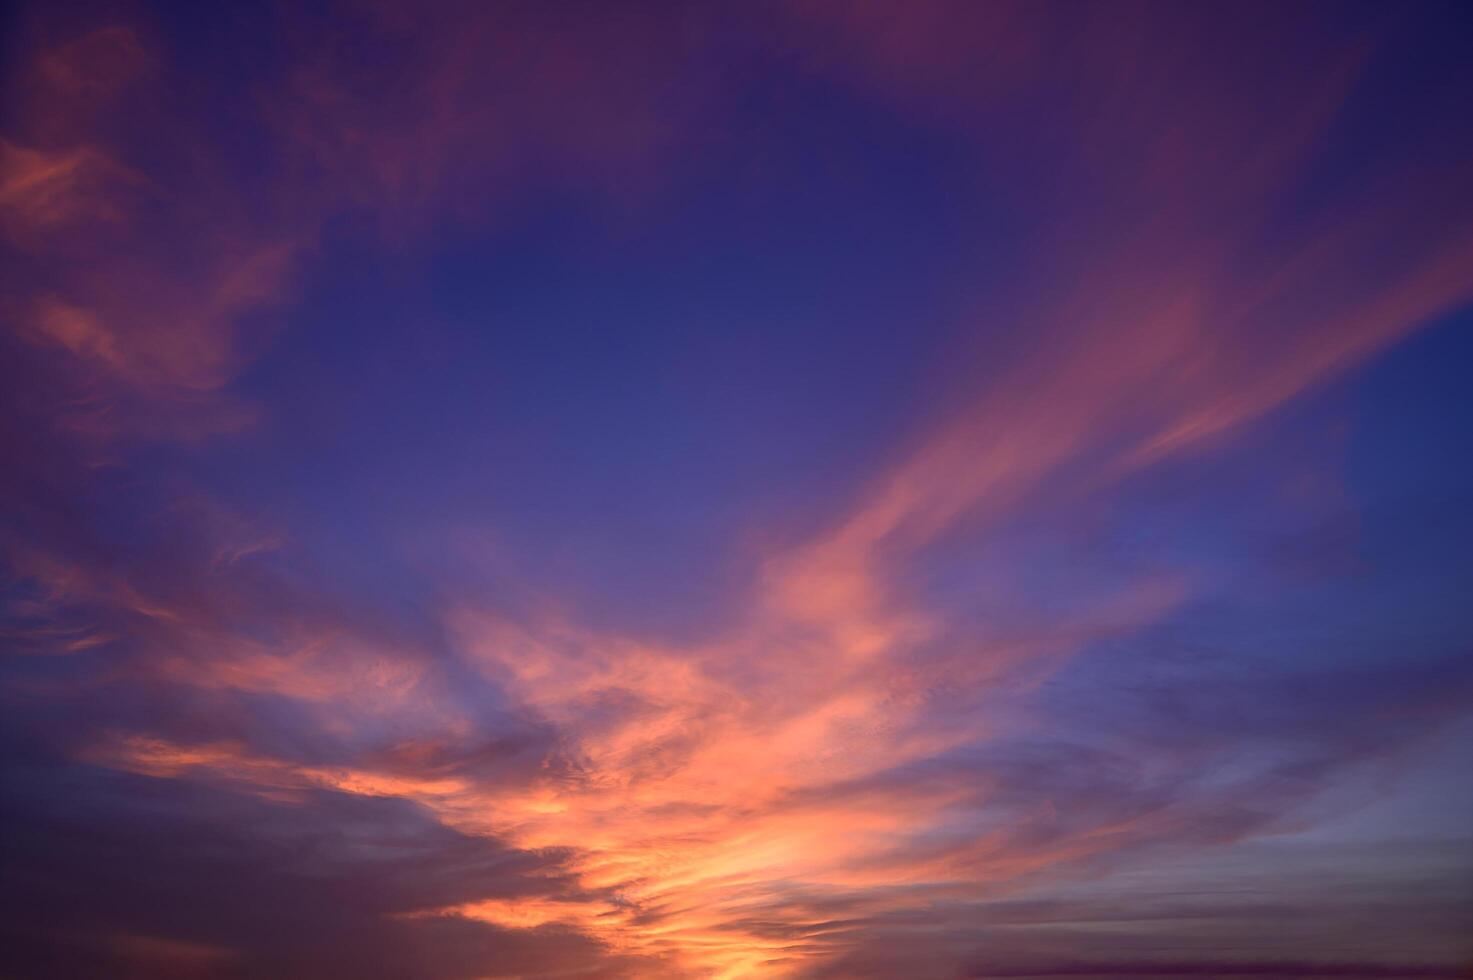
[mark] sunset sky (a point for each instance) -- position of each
(815, 489)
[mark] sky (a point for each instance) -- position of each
(813, 489)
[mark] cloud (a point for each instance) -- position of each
(250, 888)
